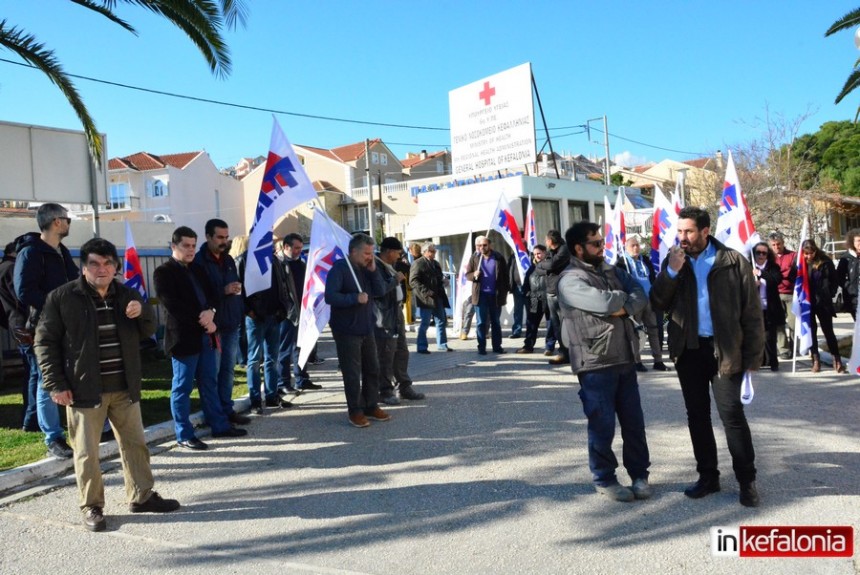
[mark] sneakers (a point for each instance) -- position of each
(94, 519)
(155, 504)
(640, 367)
(660, 366)
(60, 449)
(377, 414)
(616, 492)
(358, 420)
(257, 408)
(641, 489)
(389, 399)
(406, 392)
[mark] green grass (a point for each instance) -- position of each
(19, 448)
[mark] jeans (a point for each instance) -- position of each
(200, 366)
(263, 342)
(697, 371)
(519, 309)
(438, 313)
(31, 419)
(225, 361)
(606, 393)
(47, 411)
(360, 368)
(532, 324)
(555, 317)
(489, 312)
(288, 356)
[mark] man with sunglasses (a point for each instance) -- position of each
(597, 300)
(43, 264)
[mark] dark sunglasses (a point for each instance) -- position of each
(758, 253)
(597, 243)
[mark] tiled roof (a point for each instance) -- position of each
(699, 162)
(322, 152)
(416, 159)
(145, 161)
(352, 152)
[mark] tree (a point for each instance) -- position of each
(848, 21)
(202, 20)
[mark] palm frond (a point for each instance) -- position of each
(202, 22)
(235, 13)
(106, 11)
(848, 21)
(28, 49)
(850, 84)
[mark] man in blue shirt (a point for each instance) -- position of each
(716, 335)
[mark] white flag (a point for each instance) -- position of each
(747, 391)
(285, 186)
(530, 231)
(463, 286)
(329, 243)
(735, 226)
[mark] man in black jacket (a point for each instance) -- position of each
(534, 291)
(390, 330)
(555, 263)
(488, 272)
(428, 285)
(88, 346)
(190, 339)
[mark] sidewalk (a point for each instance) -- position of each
(487, 475)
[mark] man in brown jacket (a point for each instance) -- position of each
(716, 334)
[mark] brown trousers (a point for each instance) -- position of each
(85, 429)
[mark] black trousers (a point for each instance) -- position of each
(697, 372)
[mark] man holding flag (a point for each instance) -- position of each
(349, 288)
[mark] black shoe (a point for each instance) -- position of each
(239, 419)
(559, 360)
(94, 519)
(231, 432)
(660, 366)
(499, 351)
(285, 404)
(155, 504)
(424, 351)
(310, 385)
(316, 361)
(447, 349)
(257, 407)
(482, 352)
(785, 355)
(516, 336)
(107, 436)
(194, 444)
(60, 449)
(286, 390)
(749, 495)
(272, 401)
(406, 392)
(702, 487)
(640, 367)
(33, 428)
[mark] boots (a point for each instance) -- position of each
(837, 365)
(816, 363)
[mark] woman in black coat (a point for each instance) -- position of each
(768, 276)
(822, 287)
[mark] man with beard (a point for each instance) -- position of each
(44, 264)
(716, 335)
(597, 300)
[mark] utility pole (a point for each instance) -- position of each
(606, 147)
(379, 187)
(370, 214)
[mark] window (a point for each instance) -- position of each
(577, 212)
(440, 167)
(383, 159)
(374, 157)
(156, 188)
(118, 198)
(356, 218)
(546, 217)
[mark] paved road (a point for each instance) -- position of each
(488, 475)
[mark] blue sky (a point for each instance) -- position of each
(690, 76)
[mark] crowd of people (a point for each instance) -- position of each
(79, 330)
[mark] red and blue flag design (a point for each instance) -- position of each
(505, 223)
(133, 272)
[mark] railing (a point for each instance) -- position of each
(360, 194)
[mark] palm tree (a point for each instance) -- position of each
(848, 21)
(202, 20)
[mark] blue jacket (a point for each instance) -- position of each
(39, 269)
(348, 317)
(230, 309)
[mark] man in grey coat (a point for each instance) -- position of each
(596, 301)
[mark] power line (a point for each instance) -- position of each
(331, 118)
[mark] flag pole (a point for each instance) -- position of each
(348, 263)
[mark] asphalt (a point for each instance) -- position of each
(488, 474)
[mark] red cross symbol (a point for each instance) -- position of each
(487, 93)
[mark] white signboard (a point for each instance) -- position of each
(492, 123)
